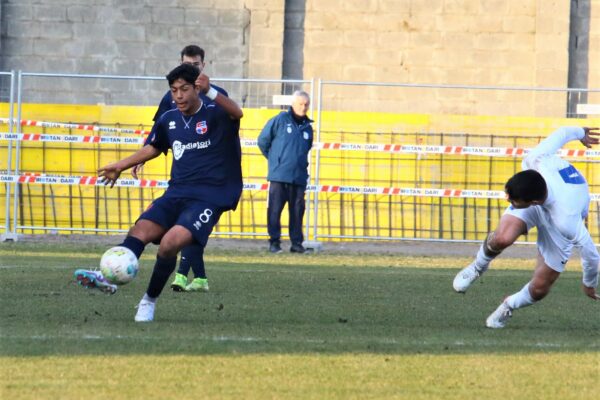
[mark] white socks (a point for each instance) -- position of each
(148, 298)
(520, 299)
(482, 261)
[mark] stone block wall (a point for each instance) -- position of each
(437, 42)
(120, 37)
(470, 42)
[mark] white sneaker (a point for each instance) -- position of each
(499, 318)
(145, 311)
(466, 277)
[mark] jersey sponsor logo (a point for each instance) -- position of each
(179, 148)
(571, 175)
(172, 125)
(201, 128)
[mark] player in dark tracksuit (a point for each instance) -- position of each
(285, 141)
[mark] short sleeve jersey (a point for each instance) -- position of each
(206, 154)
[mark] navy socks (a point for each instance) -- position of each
(134, 244)
(192, 257)
(163, 268)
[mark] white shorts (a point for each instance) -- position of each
(553, 246)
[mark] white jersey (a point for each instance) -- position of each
(560, 219)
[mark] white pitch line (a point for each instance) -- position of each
(250, 339)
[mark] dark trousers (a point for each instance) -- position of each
(280, 194)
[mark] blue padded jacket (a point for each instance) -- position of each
(286, 143)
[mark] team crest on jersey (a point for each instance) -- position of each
(172, 125)
(201, 128)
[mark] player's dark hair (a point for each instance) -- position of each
(192, 51)
(528, 185)
(187, 72)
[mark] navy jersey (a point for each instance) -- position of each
(206, 154)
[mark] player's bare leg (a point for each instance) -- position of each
(535, 290)
(147, 231)
(509, 229)
(542, 281)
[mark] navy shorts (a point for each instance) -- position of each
(197, 216)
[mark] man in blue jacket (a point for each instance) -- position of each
(285, 141)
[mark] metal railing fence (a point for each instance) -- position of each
(376, 173)
(479, 116)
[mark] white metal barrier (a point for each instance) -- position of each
(374, 203)
(5, 222)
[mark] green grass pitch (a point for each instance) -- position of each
(322, 326)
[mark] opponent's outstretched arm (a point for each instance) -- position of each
(111, 172)
(558, 138)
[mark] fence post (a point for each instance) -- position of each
(309, 195)
(17, 168)
(8, 235)
(316, 244)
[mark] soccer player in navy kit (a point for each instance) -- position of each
(206, 179)
(191, 256)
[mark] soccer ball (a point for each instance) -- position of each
(119, 265)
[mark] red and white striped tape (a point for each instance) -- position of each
(419, 192)
(79, 180)
(39, 137)
(365, 147)
(450, 150)
(95, 128)
(364, 190)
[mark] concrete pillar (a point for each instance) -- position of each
(579, 43)
(293, 39)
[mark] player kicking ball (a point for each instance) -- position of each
(553, 196)
(206, 180)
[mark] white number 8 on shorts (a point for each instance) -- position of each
(203, 218)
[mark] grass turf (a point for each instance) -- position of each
(291, 326)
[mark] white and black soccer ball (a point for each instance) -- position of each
(119, 265)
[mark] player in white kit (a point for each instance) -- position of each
(553, 196)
